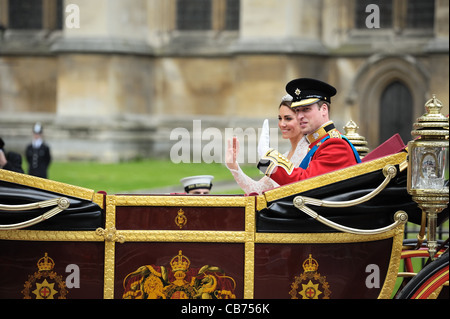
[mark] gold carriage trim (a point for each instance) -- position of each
(249, 237)
(52, 186)
(335, 176)
(276, 160)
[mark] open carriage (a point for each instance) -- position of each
(339, 235)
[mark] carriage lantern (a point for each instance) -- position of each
(428, 167)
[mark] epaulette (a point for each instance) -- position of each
(273, 159)
(334, 134)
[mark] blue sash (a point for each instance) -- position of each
(305, 163)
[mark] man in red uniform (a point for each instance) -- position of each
(329, 150)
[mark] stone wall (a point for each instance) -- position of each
(116, 88)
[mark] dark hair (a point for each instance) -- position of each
(285, 103)
(326, 103)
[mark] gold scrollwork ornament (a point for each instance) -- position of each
(181, 219)
(110, 234)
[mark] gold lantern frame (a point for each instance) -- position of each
(431, 133)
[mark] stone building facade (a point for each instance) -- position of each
(111, 79)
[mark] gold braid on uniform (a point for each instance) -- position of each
(273, 159)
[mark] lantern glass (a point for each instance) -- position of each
(430, 168)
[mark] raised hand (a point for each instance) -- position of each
(232, 153)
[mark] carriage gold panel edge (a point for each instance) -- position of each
(188, 246)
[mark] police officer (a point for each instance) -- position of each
(328, 149)
(38, 154)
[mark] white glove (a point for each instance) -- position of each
(264, 139)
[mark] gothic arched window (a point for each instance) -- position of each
(396, 109)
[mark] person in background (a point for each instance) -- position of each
(38, 154)
(197, 185)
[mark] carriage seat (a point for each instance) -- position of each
(280, 215)
(81, 215)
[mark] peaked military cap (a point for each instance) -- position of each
(305, 91)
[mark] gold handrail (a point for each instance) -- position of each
(62, 204)
(400, 217)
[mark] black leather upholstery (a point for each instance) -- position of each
(81, 214)
(282, 216)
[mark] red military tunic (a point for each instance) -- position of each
(328, 151)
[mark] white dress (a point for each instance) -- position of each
(249, 185)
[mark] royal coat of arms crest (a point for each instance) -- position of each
(180, 281)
